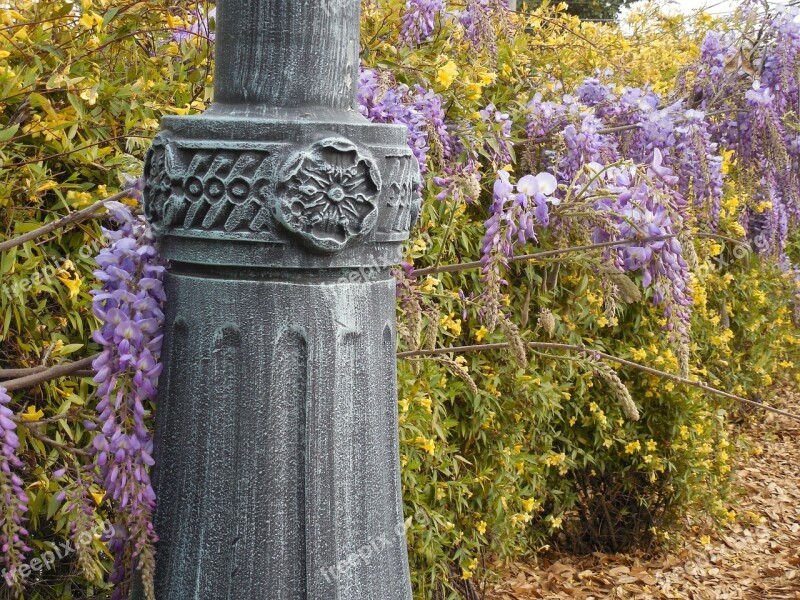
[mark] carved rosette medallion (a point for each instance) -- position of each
(328, 194)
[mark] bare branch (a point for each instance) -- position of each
(86, 213)
(49, 373)
(597, 354)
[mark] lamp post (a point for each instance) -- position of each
(281, 211)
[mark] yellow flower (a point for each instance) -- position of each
(447, 74)
(90, 95)
(451, 323)
(419, 245)
(98, 497)
(79, 198)
(90, 19)
(556, 523)
(467, 571)
(428, 445)
(632, 447)
(73, 284)
(481, 527)
(430, 284)
(519, 520)
(481, 333)
(529, 504)
(651, 445)
(426, 402)
(31, 414)
(4, 54)
(638, 355)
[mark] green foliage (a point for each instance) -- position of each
(502, 456)
(82, 88)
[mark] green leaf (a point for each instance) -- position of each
(7, 261)
(8, 133)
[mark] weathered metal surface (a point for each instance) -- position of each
(281, 211)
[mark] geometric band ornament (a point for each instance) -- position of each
(326, 194)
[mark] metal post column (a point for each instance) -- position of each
(281, 211)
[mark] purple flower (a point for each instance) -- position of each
(419, 20)
(199, 27)
(15, 503)
(129, 306)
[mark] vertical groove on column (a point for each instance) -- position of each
(286, 466)
(189, 537)
(220, 464)
(344, 440)
(391, 442)
(168, 454)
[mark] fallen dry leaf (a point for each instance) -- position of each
(747, 561)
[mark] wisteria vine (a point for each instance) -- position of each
(129, 305)
(630, 162)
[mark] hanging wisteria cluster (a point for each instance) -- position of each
(14, 499)
(628, 161)
(752, 95)
(419, 20)
(129, 307)
(514, 215)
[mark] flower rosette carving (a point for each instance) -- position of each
(328, 195)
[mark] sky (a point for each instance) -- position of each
(714, 7)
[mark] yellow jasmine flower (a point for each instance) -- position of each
(73, 284)
(632, 447)
(447, 74)
(31, 414)
(430, 284)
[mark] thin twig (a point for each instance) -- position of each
(69, 448)
(23, 372)
(544, 254)
(48, 374)
(597, 354)
(547, 253)
(85, 213)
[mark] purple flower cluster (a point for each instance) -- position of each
(636, 209)
(585, 144)
(382, 100)
(129, 306)
(700, 166)
(515, 212)
(419, 20)
(498, 135)
(604, 136)
(199, 27)
(753, 96)
(479, 19)
(14, 498)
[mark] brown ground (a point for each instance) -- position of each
(747, 560)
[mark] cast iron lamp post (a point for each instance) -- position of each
(281, 211)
